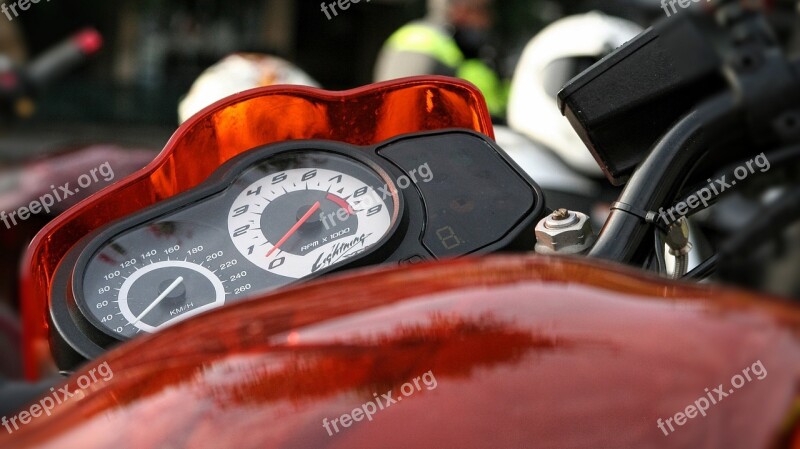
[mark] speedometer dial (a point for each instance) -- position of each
(322, 209)
(158, 275)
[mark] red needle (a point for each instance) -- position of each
(294, 229)
(341, 203)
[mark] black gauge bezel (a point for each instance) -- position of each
(218, 183)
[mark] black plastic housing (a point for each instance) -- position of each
(625, 102)
(477, 201)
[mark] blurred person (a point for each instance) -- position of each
(448, 41)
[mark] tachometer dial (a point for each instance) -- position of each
(296, 221)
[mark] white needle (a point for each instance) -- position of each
(159, 299)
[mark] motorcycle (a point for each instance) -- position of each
(265, 201)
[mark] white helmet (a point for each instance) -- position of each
(557, 54)
(236, 73)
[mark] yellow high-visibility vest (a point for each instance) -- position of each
(429, 40)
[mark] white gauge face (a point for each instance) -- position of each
(299, 221)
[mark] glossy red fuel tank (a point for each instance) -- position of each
(504, 352)
(253, 118)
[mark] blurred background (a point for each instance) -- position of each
(155, 49)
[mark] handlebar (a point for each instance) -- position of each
(19, 84)
(64, 57)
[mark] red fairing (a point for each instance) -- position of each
(516, 352)
(363, 116)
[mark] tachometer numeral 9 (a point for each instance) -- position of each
(241, 211)
(375, 210)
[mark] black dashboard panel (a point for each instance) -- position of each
(285, 213)
(476, 198)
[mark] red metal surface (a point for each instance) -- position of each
(526, 352)
(261, 116)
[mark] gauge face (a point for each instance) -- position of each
(157, 275)
(296, 216)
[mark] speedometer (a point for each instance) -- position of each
(156, 276)
(295, 217)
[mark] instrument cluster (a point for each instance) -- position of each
(284, 213)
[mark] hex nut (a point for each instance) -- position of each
(576, 238)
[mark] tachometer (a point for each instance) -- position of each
(322, 209)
